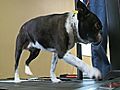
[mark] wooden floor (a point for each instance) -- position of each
(67, 84)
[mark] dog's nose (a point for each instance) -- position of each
(98, 39)
(101, 32)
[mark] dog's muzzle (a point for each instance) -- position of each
(98, 39)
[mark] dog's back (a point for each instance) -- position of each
(45, 28)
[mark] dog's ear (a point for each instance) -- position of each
(81, 7)
(82, 10)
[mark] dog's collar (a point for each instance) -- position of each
(75, 12)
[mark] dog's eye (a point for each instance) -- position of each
(101, 31)
(81, 9)
(97, 26)
(87, 35)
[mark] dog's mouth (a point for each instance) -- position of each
(94, 40)
(98, 40)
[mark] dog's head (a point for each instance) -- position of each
(89, 26)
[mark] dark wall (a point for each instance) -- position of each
(113, 19)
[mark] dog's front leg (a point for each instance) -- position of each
(53, 67)
(81, 65)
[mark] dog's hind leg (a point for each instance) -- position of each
(18, 51)
(33, 54)
(53, 67)
(17, 56)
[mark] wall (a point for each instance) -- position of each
(13, 13)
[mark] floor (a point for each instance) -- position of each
(66, 84)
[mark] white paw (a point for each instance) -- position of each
(28, 71)
(95, 73)
(17, 80)
(55, 80)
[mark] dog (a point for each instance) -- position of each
(58, 33)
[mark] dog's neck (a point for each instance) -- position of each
(74, 23)
(72, 28)
(75, 12)
(76, 36)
